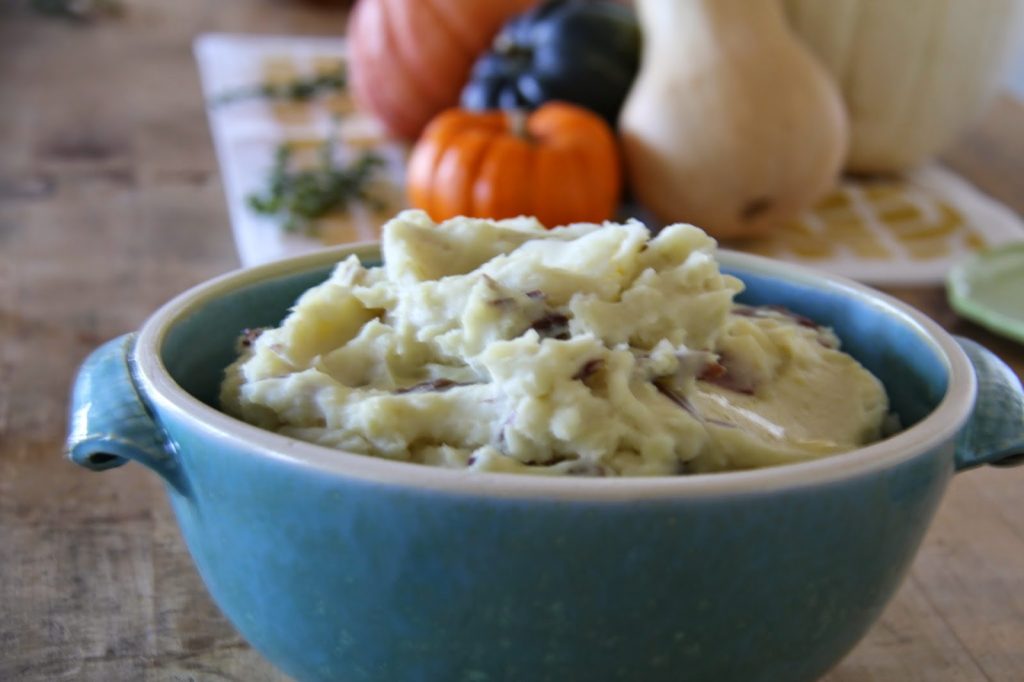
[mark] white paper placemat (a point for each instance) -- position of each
(247, 133)
(901, 231)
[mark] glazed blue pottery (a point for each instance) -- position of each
(338, 566)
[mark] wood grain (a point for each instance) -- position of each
(110, 203)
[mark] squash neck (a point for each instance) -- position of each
(664, 18)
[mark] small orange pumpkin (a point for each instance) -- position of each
(560, 163)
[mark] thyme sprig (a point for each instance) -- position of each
(301, 195)
(297, 90)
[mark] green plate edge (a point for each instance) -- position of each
(957, 291)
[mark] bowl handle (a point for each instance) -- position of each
(110, 423)
(995, 432)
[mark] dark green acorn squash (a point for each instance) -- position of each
(582, 51)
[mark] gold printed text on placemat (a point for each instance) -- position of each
(283, 71)
(879, 221)
(338, 102)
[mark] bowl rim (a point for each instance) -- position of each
(935, 430)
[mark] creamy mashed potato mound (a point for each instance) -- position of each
(587, 349)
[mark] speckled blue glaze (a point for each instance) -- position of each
(369, 570)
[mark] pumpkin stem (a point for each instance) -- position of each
(504, 45)
(517, 123)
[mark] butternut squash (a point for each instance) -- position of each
(913, 73)
(731, 123)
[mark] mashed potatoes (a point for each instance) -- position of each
(589, 349)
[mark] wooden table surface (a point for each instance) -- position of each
(110, 203)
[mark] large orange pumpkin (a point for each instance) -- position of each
(560, 164)
(408, 59)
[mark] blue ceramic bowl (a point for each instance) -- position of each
(338, 566)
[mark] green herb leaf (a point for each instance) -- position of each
(300, 196)
(299, 90)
